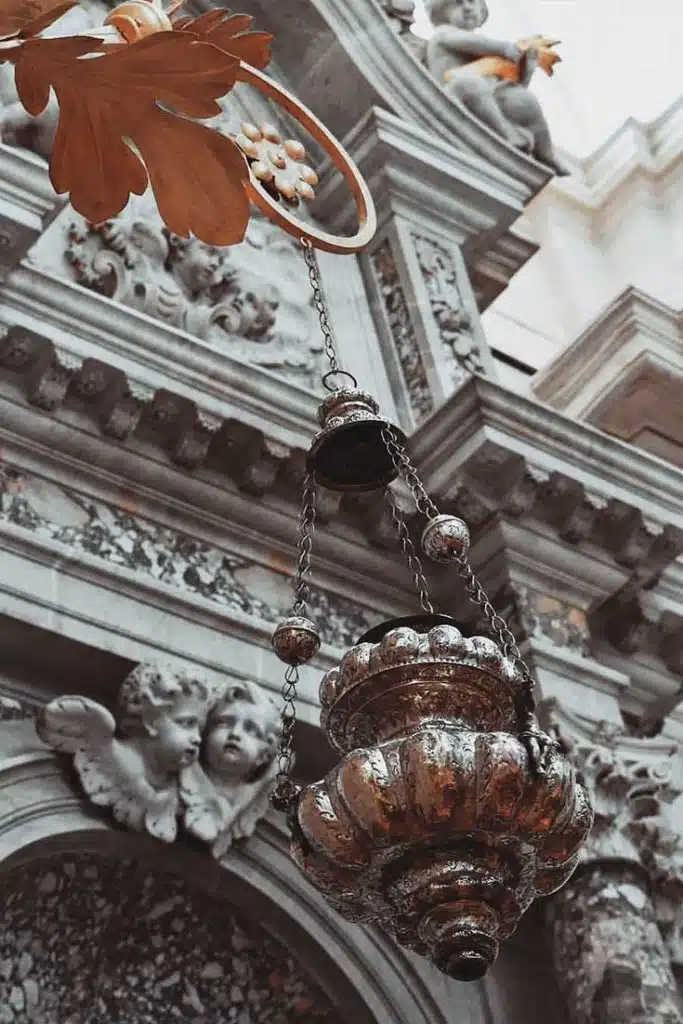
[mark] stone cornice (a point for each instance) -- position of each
(332, 46)
(634, 152)
(24, 183)
(131, 615)
(152, 356)
(645, 633)
(205, 505)
(27, 204)
(411, 172)
(633, 325)
(521, 457)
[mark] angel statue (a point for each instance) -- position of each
(226, 793)
(491, 77)
(133, 763)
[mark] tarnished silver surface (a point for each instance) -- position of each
(349, 453)
(445, 538)
(296, 640)
(434, 824)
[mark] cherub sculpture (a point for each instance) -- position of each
(226, 793)
(133, 763)
(490, 77)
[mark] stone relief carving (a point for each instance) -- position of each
(401, 13)
(115, 535)
(455, 56)
(226, 792)
(141, 946)
(252, 300)
(534, 615)
(402, 331)
(177, 749)
(453, 320)
(635, 783)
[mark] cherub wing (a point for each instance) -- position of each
(112, 772)
(69, 724)
(249, 808)
(202, 807)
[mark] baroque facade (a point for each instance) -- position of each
(157, 397)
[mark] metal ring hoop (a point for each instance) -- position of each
(278, 214)
(338, 373)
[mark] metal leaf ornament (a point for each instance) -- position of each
(128, 118)
(23, 18)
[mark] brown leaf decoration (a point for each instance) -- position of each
(197, 174)
(29, 17)
(231, 33)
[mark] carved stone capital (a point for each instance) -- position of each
(636, 785)
(176, 751)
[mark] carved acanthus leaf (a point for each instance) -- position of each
(634, 784)
(253, 300)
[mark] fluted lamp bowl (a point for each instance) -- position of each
(434, 824)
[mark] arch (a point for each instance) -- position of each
(359, 968)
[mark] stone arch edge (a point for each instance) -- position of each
(41, 815)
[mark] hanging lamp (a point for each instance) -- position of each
(449, 811)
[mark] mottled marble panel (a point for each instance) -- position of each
(116, 535)
(86, 940)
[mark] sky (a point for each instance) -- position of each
(621, 58)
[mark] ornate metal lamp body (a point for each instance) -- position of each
(435, 824)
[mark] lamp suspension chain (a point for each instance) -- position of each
(320, 303)
(414, 563)
(405, 469)
(477, 595)
(286, 791)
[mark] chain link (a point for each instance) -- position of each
(500, 628)
(405, 468)
(320, 305)
(305, 546)
(414, 563)
(424, 504)
(285, 791)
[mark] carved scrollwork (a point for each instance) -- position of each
(634, 783)
(176, 750)
(252, 300)
(452, 318)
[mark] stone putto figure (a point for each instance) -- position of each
(226, 793)
(177, 750)
(491, 77)
(132, 763)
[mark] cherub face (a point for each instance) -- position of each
(199, 266)
(466, 14)
(178, 734)
(238, 739)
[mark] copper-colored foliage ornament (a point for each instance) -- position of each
(435, 823)
(132, 96)
(278, 165)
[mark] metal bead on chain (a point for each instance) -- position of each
(296, 640)
(446, 539)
